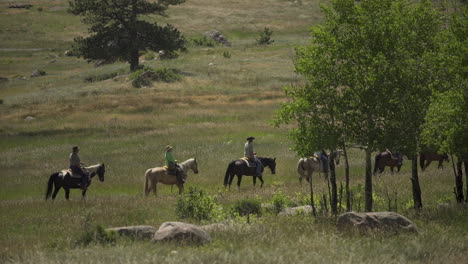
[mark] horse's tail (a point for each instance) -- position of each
(146, 191)
(377, 160)
(50, 184)
(228, 173)
(300, 167)
(421, 160)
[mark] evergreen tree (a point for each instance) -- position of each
(117, 32)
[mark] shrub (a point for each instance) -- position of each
(280, 201)
(265, 37)
(203, 41)
(198, 205)
(103, 76)
(247, 206)
(150, 56)
(145, 76)
(227, 54)
(97, 236)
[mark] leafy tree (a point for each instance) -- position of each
(117, 31)
(359, 66)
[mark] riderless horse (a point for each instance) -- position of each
(157, 175)
(241, 167)
(425, 158)
(64, 179)
(386, 158)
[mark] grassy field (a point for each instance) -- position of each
(208, 114)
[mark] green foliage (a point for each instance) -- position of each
(146, 75)
(265, 37)
(103, 76)
(198, 205)
(280, 201)
(150, 56)
(247, 206)
(118, 33)
(203, 41)
(97, 235)
(226, 54)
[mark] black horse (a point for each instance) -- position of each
(63, 179)
(239, 167)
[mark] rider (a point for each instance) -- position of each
(172, 165)
(324, 158)
(250, 155)
(75, 166)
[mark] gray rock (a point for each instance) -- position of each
(181, 232)
(140, 231)
(27, 6)
(218, 37)
(385, 221)
(29, 118)
(38, 73)
(306, 209)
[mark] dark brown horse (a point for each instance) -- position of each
(425, 158)
(386, 158)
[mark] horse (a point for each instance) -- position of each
(157, 175)
(239, 167)
(425, 158)
(311, 164)
(64, 179)
(386, 158)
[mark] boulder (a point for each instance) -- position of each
(183, 232)
(218, 37)
(27, 6)
(38, 73)
(306, 209)
(385, 221)
(29, 118)
(140, 231)
(3, 79)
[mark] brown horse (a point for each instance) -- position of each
(157, 175)
(425, 158)
(386, 158)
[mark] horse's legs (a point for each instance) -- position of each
(181, 188)
(254, 180)
(56, 189)
(239, 179)
(441, 166)
(427, 164)
(67, 193)
(231, 178)
(261, 179)
(83, 194)
(154, 187)
(391, 169)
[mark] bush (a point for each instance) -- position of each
(97, 236)
(280, 201)
(103, 76)
(198, 205)
(145, 76)
(265, 37)
(203, 41)
(247, 206)
(227, 54)
(150, 56)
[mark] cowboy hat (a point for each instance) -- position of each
(75, 148)
(168, 147)
(250, 138)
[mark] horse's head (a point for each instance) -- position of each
(269, 162)
(100, 172)
(194, 166)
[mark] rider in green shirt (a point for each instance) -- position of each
(172, 165)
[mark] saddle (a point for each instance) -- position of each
(250, 163)
(69, 172)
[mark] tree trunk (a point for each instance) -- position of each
(465, 161)
(134, 57)
(134, 60)
(334, 190)
(368, 181)
(415, 183)
(459, 182)
(348, 194)
(314, 212)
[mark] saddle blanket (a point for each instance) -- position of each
(250, 164)
(64, 172)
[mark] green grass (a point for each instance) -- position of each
(208, 114)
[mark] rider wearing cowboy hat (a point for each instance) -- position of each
(75, 166)
(172, 165)
(250, 155)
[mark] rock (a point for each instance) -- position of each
(140, 231)
(68, 53)
(3, 79)
(27, 6)
(218, 37)
(385, 221)
(38, 73)
(181, 232)
(29, 118)
(306, 209)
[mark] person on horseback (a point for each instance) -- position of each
(76, 167)
(171, 163)
(324, 158)
(250, 155)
